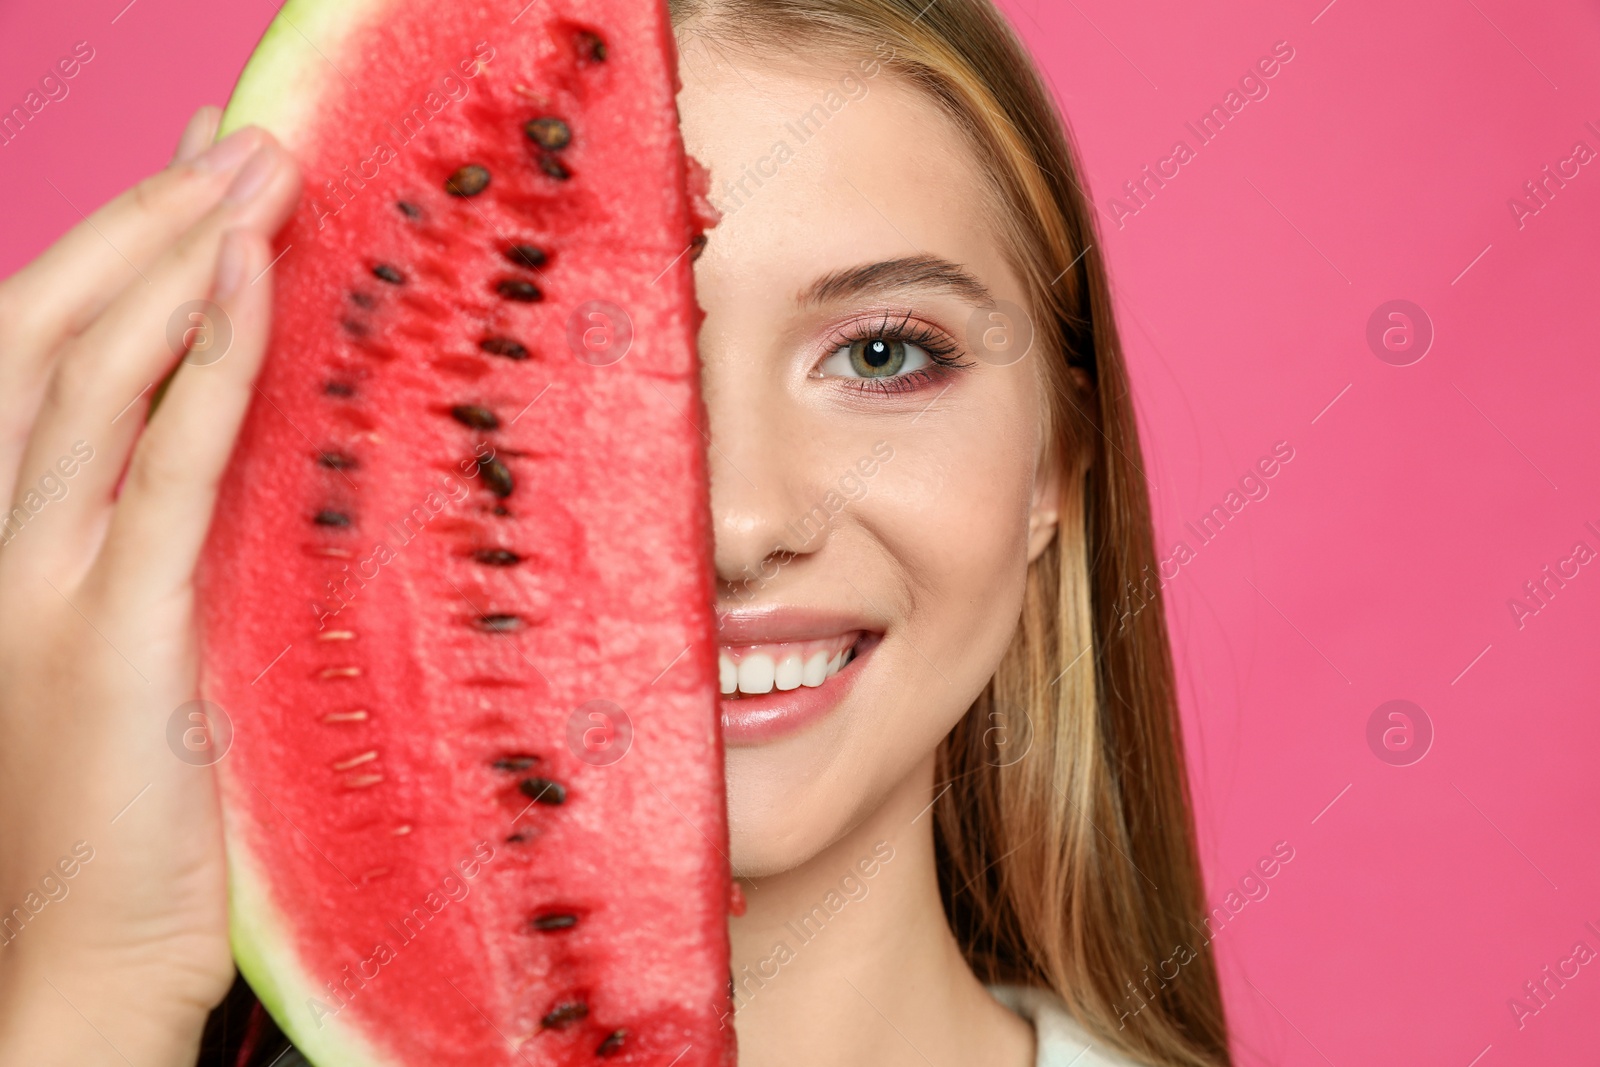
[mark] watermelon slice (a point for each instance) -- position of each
(457, 600)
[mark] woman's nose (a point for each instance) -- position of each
(762, 458)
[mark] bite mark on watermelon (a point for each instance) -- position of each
(463, 548)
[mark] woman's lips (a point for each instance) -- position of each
(781, 670)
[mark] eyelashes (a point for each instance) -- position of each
(942, 353)
(932, 340)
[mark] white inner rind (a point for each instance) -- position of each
(294, 63)
(281, 90)
(264, 948)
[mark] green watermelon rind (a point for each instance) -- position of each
(279, 90)
(260, 940)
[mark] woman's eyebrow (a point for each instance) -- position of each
(908, 272)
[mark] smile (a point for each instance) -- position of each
(783, 669)
(751, 670)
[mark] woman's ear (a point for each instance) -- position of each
(1044, 513)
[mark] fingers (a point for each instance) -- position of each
(200, 132)
(161, 519)
(59, 293)
(98, 392)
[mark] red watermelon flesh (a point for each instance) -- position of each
(457, 600)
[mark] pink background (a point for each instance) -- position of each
(1379, 566)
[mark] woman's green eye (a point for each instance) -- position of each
(877, 357)
(874, 357)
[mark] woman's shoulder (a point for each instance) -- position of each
(1061, 1041)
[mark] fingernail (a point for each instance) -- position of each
(229, 152)
(250, 181)
(197, 133)
(233, 259)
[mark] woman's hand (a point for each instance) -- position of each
(113, 931)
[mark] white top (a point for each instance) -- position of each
(1061, 1041)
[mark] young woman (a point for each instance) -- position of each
(906, 272)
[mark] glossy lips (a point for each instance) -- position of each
(783, 669)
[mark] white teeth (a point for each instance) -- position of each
(788, 672)
(756, 673)
(782, 669)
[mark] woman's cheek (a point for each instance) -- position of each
(953, 512)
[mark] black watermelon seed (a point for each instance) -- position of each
(339, 389)
(385, 273)
(409, 210)
(612, 1044)
(544, 791)
(564, 1015)
(479, 418)
(526, 255)
(515, 763)
(516, 289)
(499, 624)
(591, 47)
(503, 346)
(496, 476)
(696, 246)
(555, 921)
(554, 167)
(363, 300)
(331, 518)
(354, 327)
(470, 180)
(549, 133)
(517, 838)
(497, 557)
(500, 509)
(337, 461)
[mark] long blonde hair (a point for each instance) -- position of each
(1073, 867)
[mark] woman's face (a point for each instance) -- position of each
(877, 490)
